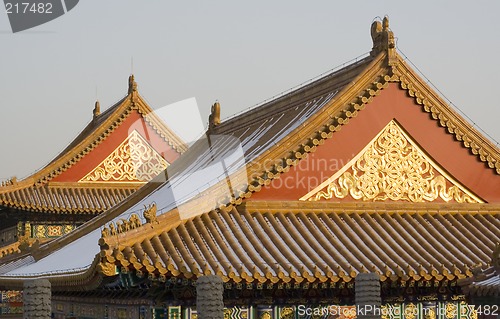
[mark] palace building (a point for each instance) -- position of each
(119, 151)
(360, 194)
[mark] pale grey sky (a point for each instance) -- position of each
(237, 52)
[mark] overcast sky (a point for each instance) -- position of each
(237, 52)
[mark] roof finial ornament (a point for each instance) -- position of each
(383, 39)
(97, 109)
(132, 85)
(214, 118)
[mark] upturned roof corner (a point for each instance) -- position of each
(383, 40)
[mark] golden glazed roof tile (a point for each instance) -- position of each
(278, 241)
(72, 199)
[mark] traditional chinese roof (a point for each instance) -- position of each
(284, 241)
(75, 181)
(485, 282)
(439, 186)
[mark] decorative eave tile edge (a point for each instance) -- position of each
(433, 104)
(68, 210)
(480, 274)
(9, 250)
(55, 244)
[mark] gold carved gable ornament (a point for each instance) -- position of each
(392, 167)
(134, 160)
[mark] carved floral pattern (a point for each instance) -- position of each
(134, 160)
(51, 231)
(393, 168)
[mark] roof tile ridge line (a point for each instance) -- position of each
(61, 164)
(303, 85)
(446, 106)
(89, 127)
(231, 120)
(167, 134)
(96, 185)
(445, 115)
(9, 250)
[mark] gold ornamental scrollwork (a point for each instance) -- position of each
(450, 311)
(265, 315)
(393, 167)
(287, 313)
(133, 160)
(410, 311)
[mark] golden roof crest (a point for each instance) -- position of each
(383, 40)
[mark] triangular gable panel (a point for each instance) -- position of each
(113, 149)
(392, 167)
(458, 165)
(134, 160)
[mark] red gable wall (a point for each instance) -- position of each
(98, 154)
(392, 103)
